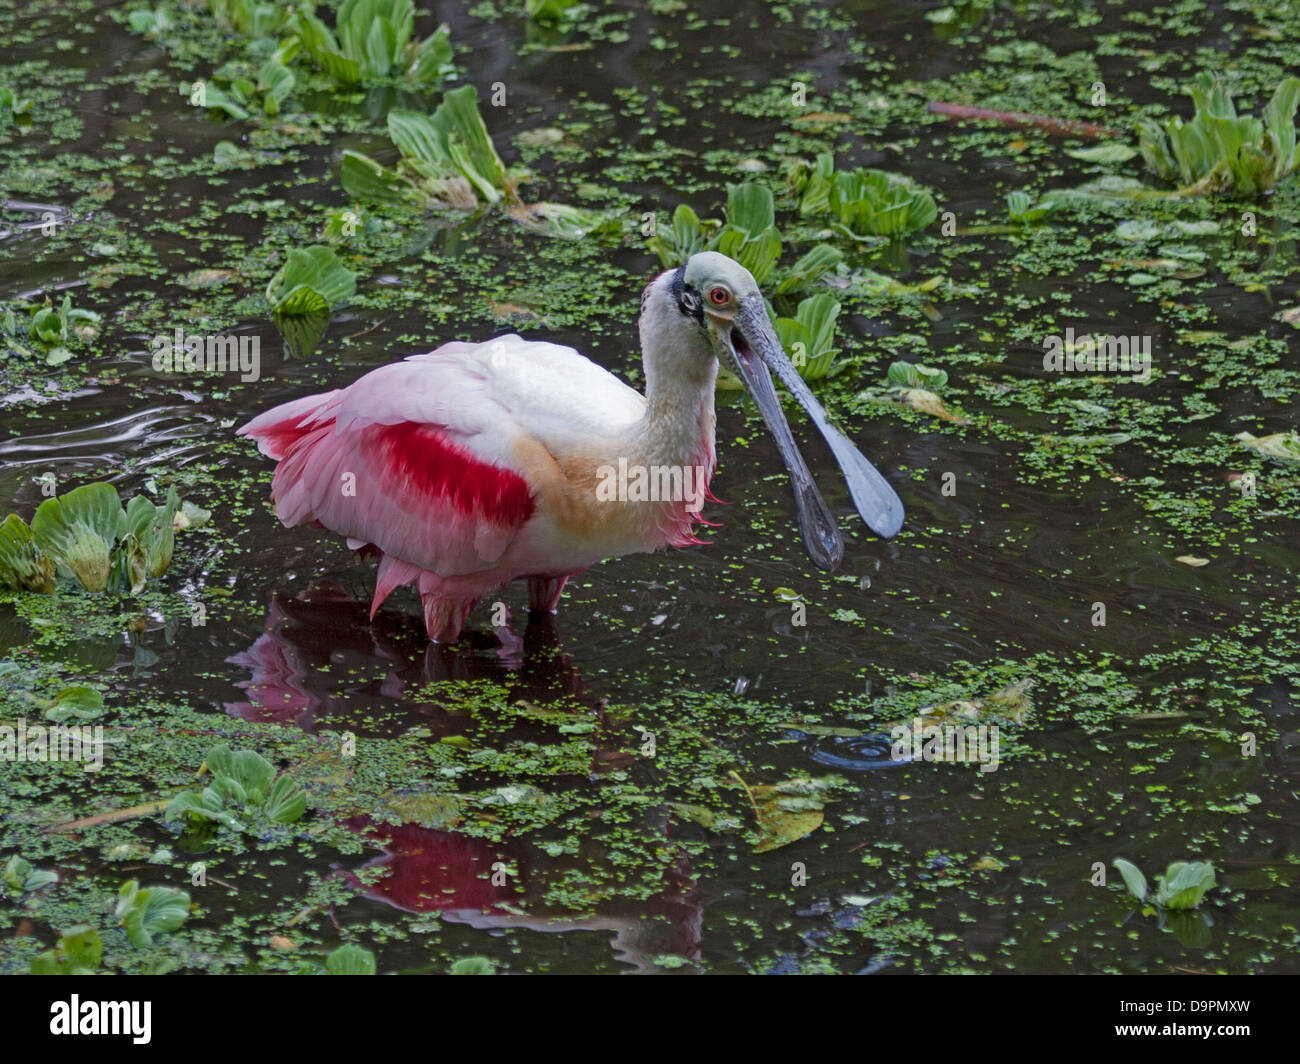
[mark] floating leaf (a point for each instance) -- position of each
(190, 516)
(1134, 880)
(1184, 884)
(1023, 211)
(79, 702)
(787, 811)
(79, 530)
(350, 959)
(1114, 152)
(547, 11)
(151, 911)
(21, 877)
(1219, 151)
(78, 952)
(866, 202)
(473, 966)
(311, 280)
(809, 337)
(906, 375)
(243, 783)
(23, 566)
(1284, 446)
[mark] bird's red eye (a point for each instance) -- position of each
(718, 296)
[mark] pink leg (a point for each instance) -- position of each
(544, 591)
(445, 617)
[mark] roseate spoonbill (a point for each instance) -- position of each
(478, 464)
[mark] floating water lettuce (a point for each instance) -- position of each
(148, 541)
(865, 202)
(448, 161)
(80, 531)
(145, 912)
(21, 877)
(1114, 152)
(1284, 446)
(79, 702)
(14, 111)
(275, 82)
(244, 786)
(916, 385)
(809, 337)
(53, 330)
(251, 18)
(547, 10)
(906, 375)
(78, 952)
(749, 235)
(151, 22)
(85, 534)
(371, 40)
(23, 566)
(1023, 210)
(472, 966)
(350, 959)
(1217, 151)
(312, 280)
(1182, 887)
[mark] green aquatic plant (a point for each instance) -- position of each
(865, 202)
(749, 235)
(472, 966)
(350, 959)
(251, 18)
(1283, 446)
(905, 375)
(53, 330)
(244, 788)
(149, 540)
(312, 280)
(23, 565)
(81, 530)
(241, 95)
(145, 912)
(1218, 151)
(86, 534)
(1182, 887)
(916, 386)
(371, 39)
(151, 22)
(1024, 211)
(809, 337)
(14, 111)
(448, 161)
(78, 952)
(21, 877)
(547, 10)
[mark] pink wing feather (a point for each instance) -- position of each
(431, 483)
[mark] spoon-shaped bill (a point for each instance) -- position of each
(873, 496)
(821, 536)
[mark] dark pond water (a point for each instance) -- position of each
(1131, 744)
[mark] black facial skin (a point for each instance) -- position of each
(688, 299)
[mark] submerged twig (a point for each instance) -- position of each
(1061, 127)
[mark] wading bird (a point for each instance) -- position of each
(478, 464)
